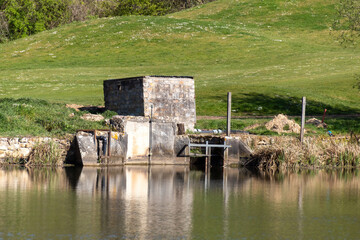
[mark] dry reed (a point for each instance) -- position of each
(46, 153)
(314, 152)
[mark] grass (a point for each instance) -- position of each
(267, 53)
(338, 126)
(30, 117)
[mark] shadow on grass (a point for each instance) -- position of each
(93, 109)
(260, 104)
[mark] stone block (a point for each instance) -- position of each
(24, 140)
(3, 153)
(3, 147)
(24, 152)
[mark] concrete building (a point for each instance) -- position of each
(172, 98)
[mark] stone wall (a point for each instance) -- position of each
(90, 148)
(125, 96)
(172, 98)
(20, 148)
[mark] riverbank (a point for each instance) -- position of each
(269, 152)
(273, 152)
(36, 150)
(44, 122)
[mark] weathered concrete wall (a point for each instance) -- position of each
(173, 98)
(118, 148)
(138, 138)
(87, 148)
(163, 139)
(133, 144)
(164, 142)
(90, 149)
(238, 150)
(20, 148)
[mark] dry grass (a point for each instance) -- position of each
(287, 152)
(46, 153)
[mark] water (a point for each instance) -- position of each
(174, 202)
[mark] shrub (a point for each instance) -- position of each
(20, 18)
(141, 7)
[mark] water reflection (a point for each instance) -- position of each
(177, 202)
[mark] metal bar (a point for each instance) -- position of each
(323, 118)
(95, 138)
(198, 155)
(109, 147)
(206, 148)
(150, 132)
(189, 145)
(209, 157)
(209, 145)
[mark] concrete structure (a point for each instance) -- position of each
(172, 98)
(154, 112)
(138, 141)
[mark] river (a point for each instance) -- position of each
(176, 202)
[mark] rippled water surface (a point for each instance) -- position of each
(176, 202)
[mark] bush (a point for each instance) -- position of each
(141, 7)
(20, 18)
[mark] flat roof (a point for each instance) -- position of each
(140, 77)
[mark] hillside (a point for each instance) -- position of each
(267, 53)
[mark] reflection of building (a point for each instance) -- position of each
(140, 197)
(175, 203)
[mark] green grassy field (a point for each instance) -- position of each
(32, 117)
(268, 53)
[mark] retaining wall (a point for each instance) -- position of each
(20, 148)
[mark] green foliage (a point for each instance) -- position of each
(109, 114)
(26, 17)
(20, 15)
(348, 21)
(20, 117)
(20, 18)
(140, 7)
(256, 53)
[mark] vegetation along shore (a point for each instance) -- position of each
(267, 53)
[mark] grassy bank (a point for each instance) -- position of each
(29, 117)
(315, 152)
(267, 53)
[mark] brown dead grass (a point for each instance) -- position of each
(281, 124)
(314, 152)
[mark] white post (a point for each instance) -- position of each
(303, 119)
(228, 128)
